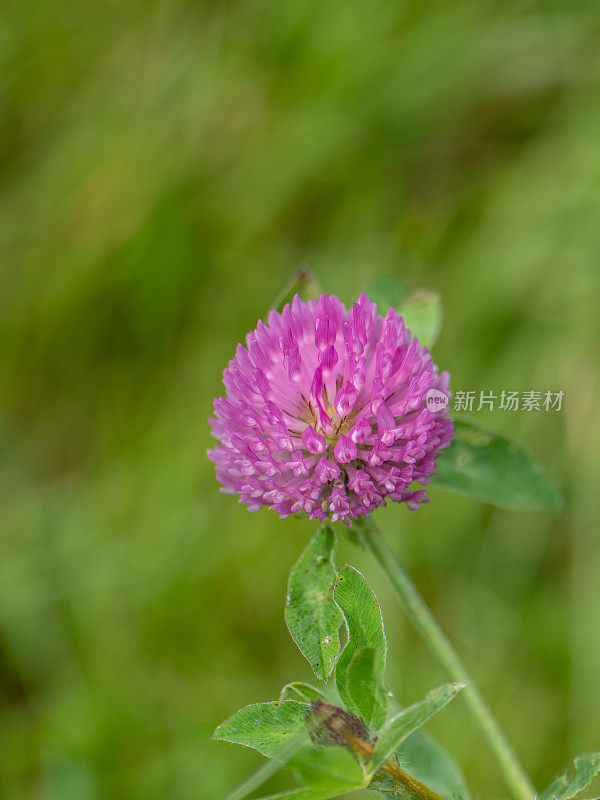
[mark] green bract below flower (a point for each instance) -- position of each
(325, 412)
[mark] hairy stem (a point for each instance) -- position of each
(415, 787)
(423, 620)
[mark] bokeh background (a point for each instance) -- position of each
(165, 167)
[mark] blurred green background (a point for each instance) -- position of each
(165, 167)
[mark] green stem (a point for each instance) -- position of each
(265, 771)
(437, 641)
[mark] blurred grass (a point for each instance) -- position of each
(164, 168)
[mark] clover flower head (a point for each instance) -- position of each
(325, 412)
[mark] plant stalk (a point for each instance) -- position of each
(425, 623)
(415, 787)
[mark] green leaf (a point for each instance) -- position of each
(422, 313)
(327, 773)
(421, 309)
(425, 759)
(319, 768)
(303, 283)
(362, 682)
(325, 792)
(563, 788)
(387, 291)
(265, 771)
(313, 619)
(364, 626)
(396, 729)
(304, 691)
(266, 727)
(485, 465)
